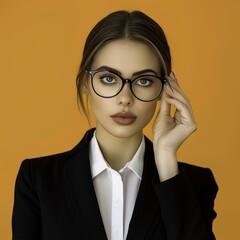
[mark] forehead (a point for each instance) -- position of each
(126, 56)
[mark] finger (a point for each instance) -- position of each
(177, 116)
(165, 106)
(174, 83)
(174, 93)
(183, 113)
(173, 77)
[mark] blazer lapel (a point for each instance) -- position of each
(79, 191)
(146, 206)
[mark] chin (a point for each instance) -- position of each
(124, 131)
(112, 129)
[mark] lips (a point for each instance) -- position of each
(124, 118)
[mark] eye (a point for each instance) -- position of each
(144, 82)
(108, 79)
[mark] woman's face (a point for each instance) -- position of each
(124, 116)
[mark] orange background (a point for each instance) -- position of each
(40, 48)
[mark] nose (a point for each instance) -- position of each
(125, 97)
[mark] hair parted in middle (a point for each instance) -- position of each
(135, 26)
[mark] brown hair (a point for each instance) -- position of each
(135, 26)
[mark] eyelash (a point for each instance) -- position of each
(148, 85)
(103, 76)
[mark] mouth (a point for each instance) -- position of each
(124, 118)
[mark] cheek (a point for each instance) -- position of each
(99, 105)
(148, 111)
(96, 106)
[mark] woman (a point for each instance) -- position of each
(116, 184)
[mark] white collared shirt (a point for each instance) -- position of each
(116, 191)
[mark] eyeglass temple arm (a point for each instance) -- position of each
(165, 81)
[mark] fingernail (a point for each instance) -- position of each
(171, 75)
(174, 76)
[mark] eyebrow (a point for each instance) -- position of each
(148, 70)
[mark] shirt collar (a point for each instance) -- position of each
(136, 163)
(98, 163)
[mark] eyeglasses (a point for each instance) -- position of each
(108, 84)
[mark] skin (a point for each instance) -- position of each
(170, 132)
(128, 57)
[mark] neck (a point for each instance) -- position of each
(118, 151)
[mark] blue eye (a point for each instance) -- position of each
(108, 79)
(144, 82)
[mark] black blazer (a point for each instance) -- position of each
(55, 199)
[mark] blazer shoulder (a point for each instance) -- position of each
(51, 164)
(194, 170)
(200, 177)
(44, 160)
(54, 159)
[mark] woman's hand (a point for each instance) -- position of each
(170, 132)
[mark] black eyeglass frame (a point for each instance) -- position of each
(126, 80)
